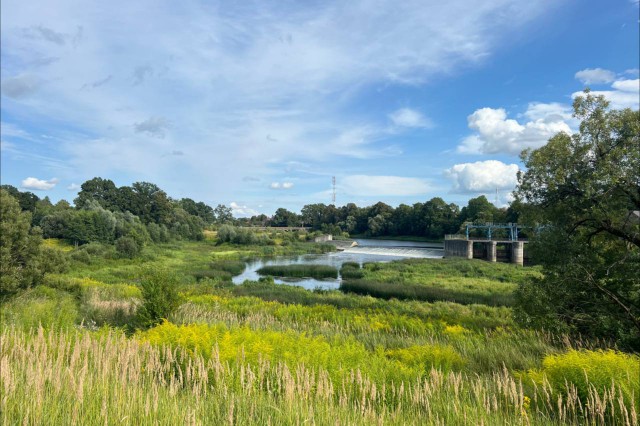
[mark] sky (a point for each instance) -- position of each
(258, 104)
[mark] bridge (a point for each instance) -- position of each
(492, 247)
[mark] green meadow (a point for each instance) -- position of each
(411, 342)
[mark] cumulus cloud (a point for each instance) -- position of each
(407, 117)
(242, 210)
(20, 86)
(154, 126)
(291, 73)
(39, 184)
(498, 134)
(279, 185)
(482, 176)
(595, 76)
(73, 187)
(623, 94)
(379, 186)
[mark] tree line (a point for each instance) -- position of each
(431, 219)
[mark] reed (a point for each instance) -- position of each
(299, 271)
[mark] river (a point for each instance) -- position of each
(366, 251)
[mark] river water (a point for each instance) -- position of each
(365, 251)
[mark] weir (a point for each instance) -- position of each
(398, 252)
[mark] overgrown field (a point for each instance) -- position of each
(262, 353)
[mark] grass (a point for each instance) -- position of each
(454, 280)
(299, 271)
(262, 353)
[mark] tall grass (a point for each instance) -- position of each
(50, 377)
(387, 290)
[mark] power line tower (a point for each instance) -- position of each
(333, 198)
(496, 196)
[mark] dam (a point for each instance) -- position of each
(394, 248)
(493, 247)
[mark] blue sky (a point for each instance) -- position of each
(257, 105)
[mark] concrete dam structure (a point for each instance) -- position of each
(492, 248)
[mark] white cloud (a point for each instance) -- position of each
(380, 186)
(407, 117)
(283, 185)
(39, 184)
(498, 134)
(624, 94)
(73, 187)
(242, 210)
(232, 77)
(595, 76)
(483, 176)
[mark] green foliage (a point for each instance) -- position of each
(351, 270)
(160, 297)
(127, 247)
(583, 188)
(20, 253)
(41, 307)
(408, 291)
(586, 370)
(299, 271)
(454, 280)
(241, 236)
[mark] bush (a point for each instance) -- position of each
(127, 247)
(160, 298)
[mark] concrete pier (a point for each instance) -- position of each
(492, 251)
(458, 246)
(517, 253)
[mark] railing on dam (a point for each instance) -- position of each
(490, 228)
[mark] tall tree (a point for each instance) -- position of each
(104, 191)
(585, 189)
(19, 246)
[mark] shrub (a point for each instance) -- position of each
(160, 298)
(127, 247)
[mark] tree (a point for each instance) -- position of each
(104, 191)
(19, 247)
(284, 217)
(585, 190)
(223, 214)
(160, 297)
(478, 209)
